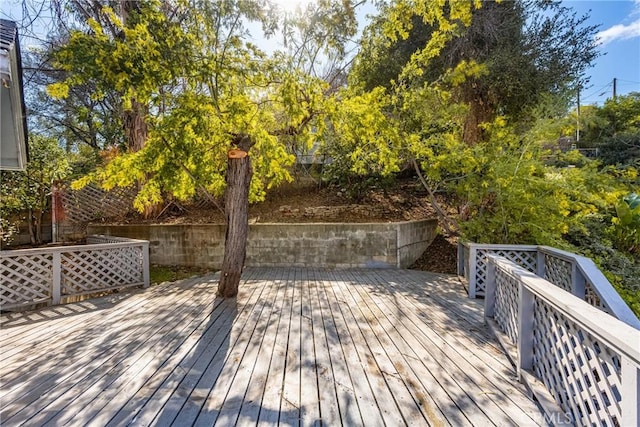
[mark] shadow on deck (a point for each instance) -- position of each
(297, 347)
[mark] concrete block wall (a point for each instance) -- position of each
(373, 245)
(414, 237)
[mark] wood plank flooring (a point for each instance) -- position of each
(298, 347)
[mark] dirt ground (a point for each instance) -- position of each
(308, 202)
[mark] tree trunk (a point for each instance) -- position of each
(236, 206)
(136, 131)
(32, 234)
(38, 226)
(481, 110)
(134, 119)
(135, 126)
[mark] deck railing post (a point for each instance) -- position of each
(540, 264)
(578, 282)
(145, 264)
(525, 329)
(630, 393)
(461, 259)
(472, 263)
(56, 285)
(490, 289)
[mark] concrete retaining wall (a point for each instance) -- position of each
(380, 245)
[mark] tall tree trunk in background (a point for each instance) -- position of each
(481, 110)
(39, 214)
(136, 131)
(134, 121)
(135, 126)
(236, 206)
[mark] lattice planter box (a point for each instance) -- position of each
(52, 275)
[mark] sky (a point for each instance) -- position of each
(618, 36)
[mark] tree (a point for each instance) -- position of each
(102, 57)
(622, 113)
(527, 49)
(619, 135)
(30, 190)
(219, 112)
(613, 128)
(80, 118)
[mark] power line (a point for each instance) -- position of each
(629, 81)
(599, 92)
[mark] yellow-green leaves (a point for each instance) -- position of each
(130, 58)
(200, 82)
(58, 90)
(368, 139)
(446, 18)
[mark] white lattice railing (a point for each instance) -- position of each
(46, 275)
(472, 262)
(571, 272)
(582, 364)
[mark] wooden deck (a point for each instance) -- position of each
(299, 347)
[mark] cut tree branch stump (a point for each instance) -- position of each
(236, 207)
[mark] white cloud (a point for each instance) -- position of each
(619, 32)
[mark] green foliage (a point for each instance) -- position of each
(126, 57)
(626, 224)
(8, 230)
(593, 239)
(161, 273)
(509, 195)
(528, 50)
(30, 190)
(367, 140)
(622, 113)
(222, 86)
(84, 160)
(621, 149)
(614, 128)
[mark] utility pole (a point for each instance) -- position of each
(578, 118)
(615, 84)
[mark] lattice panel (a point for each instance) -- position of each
(506, 308)
(26, 279)
(91, 202)
(581, 373)
(525, 259)
(592, 298)
(94, 270)
(558, 272)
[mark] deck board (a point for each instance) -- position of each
(70, 362)
(459, 374)
(299, 346)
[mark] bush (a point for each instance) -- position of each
(626, 225)
(593, 240)
(622, 149)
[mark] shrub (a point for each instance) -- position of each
(621, 149)
(593, 240)
(626, 224)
